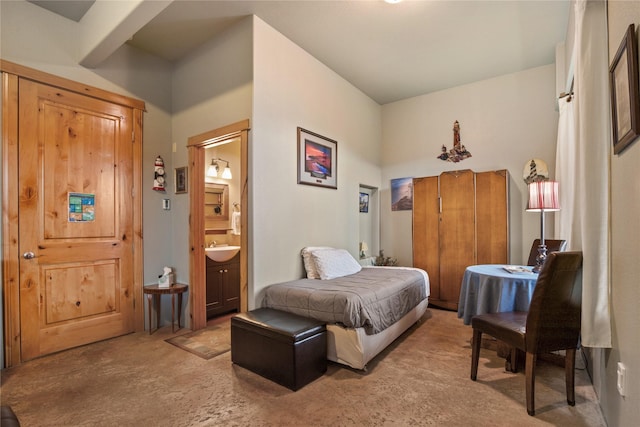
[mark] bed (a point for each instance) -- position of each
(366, 308)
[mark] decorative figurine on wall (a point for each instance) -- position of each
(458, 152)
(535, 170)
(159, 178)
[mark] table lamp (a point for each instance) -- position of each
(363, 250)
(543, 197)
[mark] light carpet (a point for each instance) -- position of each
(422, 379)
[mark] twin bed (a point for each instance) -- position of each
(366, 308)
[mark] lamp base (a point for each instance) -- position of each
(541, 258)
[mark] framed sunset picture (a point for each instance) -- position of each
(317, 160)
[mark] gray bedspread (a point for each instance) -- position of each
(374, 298)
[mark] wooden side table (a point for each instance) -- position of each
(155, 291)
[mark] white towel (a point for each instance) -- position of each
(235, 223)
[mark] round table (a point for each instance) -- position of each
(490, 288)
(156, 291)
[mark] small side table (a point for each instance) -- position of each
(155, 291)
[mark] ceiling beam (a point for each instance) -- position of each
(109, 24)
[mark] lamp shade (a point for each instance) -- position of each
(543, 196)
(212, 171)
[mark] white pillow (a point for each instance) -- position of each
(309, 264)
(332, 263)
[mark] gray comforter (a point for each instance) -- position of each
(374, 298)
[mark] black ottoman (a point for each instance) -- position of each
(283, 347)
(8, 417)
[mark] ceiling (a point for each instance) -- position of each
(389, 51)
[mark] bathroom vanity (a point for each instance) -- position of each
(223, 286)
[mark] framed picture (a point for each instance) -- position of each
(364, 202)
(625, 100)
(317, 160)
(180, 179)
(402, 194)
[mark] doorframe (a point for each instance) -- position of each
(196, 146)
(11, 74)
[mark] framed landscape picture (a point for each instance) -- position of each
(625, 99)
(364, 202)
(317, 160)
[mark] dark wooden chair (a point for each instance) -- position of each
(551, 324)
(552, 246)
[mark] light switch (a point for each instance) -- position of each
(622, 379)
(166, 204)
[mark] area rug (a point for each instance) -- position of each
(206, 343)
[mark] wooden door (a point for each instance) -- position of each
(76, 219)
(426, 240)
(492, 219)
(457, 233)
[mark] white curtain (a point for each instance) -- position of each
(582, 169)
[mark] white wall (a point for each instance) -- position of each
(293, 89)
(504, 122)
(36, 38)
(212, 87)
(625, 269)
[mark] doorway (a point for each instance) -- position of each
(197, 146)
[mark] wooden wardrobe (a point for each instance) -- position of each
(460, 218)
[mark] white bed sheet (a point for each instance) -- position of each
(354, 348)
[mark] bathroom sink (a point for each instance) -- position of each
(222, 253)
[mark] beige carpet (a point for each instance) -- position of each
(206, 343)
(420, 380)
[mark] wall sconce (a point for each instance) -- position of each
(543, 197)
(214, 168)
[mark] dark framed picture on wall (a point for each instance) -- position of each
(317, 160)
(364, 202)
(180, 179)
(625, 99)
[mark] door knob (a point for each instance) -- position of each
(28, 255)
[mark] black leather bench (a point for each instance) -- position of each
(283, 347)
(8, 417)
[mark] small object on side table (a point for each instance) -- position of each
(381, 260)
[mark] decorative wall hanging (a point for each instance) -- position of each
(625, 99)
(82, 207)
(158, 177)
(364, 202)
(458, 152)
(317, 160)
(535, 170)
(180, 179)
(402, 194)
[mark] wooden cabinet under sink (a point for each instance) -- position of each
(223, 286)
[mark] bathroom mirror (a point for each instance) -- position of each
(216, 201)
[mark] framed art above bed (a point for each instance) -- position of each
(317, 160)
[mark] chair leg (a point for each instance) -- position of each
(569, 371)
(475, 353)
(513, 360)
(530, 375)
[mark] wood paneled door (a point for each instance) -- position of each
(76, 219)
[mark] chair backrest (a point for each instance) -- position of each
(552, 246)
(553, 321)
